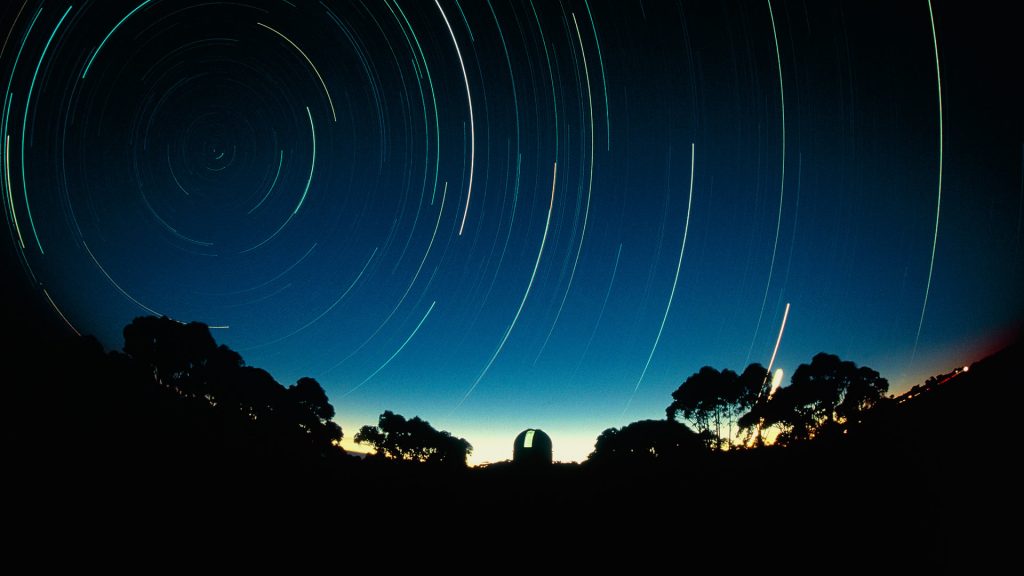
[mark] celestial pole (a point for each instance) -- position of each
(283, 169)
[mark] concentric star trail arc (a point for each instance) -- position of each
(274, 167)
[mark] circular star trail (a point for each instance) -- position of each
(500, 215)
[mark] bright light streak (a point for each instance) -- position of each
(116, 285)
(782, 181)
(397, 352)
(778, 340)
(10, 195)
(63, 317)
(776, 382)
(604, 80)
(472, 125)
(590, 190)
(311, 65)
(8, 102)
(312, 165)
(109, 34)
(309, 182)
(543, 241)
(24, 126)
(672, 294)
(280, 162)
(938, 202)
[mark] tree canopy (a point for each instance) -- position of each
(394, 437)
(647, 441)
(824, 396)
(711, 400)
(185, 359)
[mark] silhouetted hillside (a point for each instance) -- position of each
(146, 435)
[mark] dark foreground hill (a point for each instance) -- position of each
(90, 445)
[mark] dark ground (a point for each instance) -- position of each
(93, 463)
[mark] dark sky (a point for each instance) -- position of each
(499, 215)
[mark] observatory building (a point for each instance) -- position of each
(532, 447)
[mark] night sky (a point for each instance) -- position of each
(499, 215)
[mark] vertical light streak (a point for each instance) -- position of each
(433, 94)
(10, 31)
(600, 315)
(8, 98)
(551, 77)
(280, 163)
(533, 275)
(590, 190)
(309, 182)
(779, 339)
(472, 124)
(604, 79)
(675, 281)
(782, 183)
(465, 21)
(938, 201)
(511, 74)
(312, 164)
(24, 127)
(776, 383)
(10, 194)
(170, 168)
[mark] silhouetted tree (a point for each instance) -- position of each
(177, 353)
(311, 412)
(824, 396)
(185, 360)
(647, 441)
(396, 438)
(711, 399)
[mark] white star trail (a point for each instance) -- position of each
(938, 199)
(675, 281)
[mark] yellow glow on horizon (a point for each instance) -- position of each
(493, 446)
(349, 445)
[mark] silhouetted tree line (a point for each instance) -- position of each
(645, 442)
(178, 426)
(414, 440)
(173, 395)
(731, 411)
(184, 359)
(825, 397)
(175, 377)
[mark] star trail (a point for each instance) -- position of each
(501, 215)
